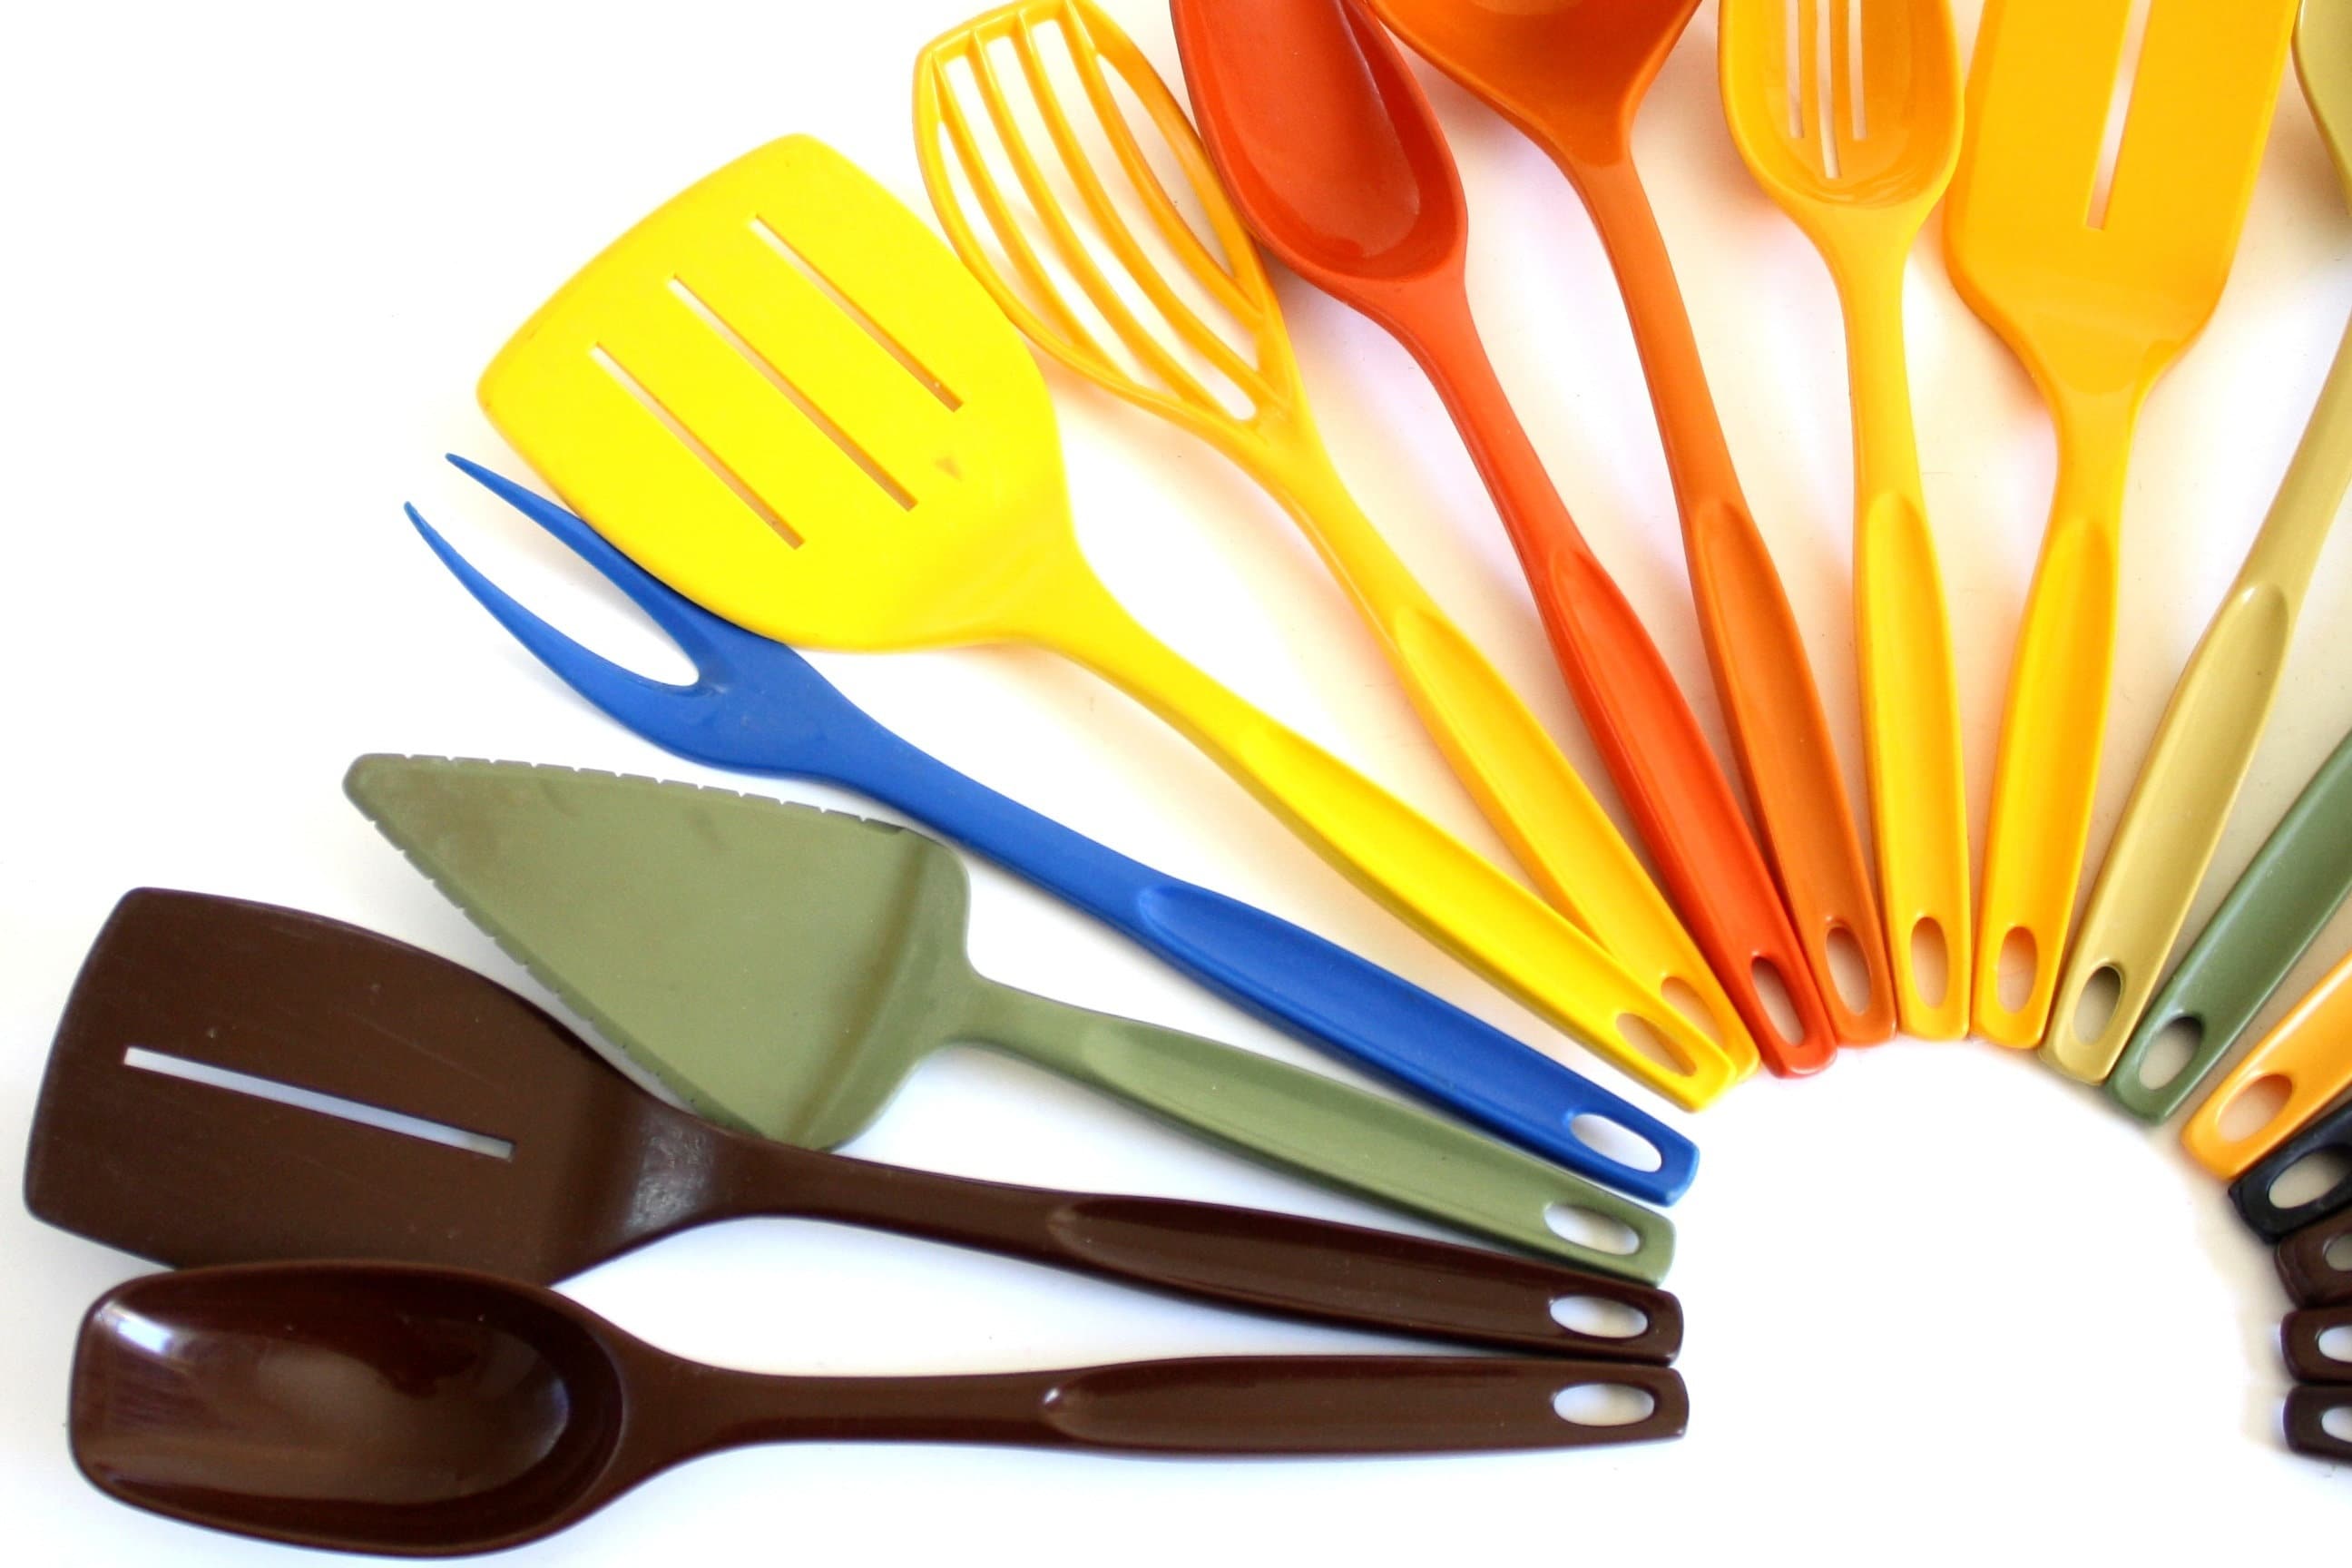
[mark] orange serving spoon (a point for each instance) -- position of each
(1570, 74)
(1331, 154)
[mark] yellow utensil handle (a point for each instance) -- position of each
(2311, 1049)
(1429, 878)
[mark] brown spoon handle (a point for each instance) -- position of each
(1309, 1269)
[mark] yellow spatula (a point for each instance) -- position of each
(787, 399)
(2097, 287)
(2181, 801)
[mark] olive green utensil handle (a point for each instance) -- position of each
(2289, 893)
(2182, 799)
(1329, 1133)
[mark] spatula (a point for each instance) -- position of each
(1336, 163)
(418, 1412)
(1849, 117)
(237, 1083)
(783, 969)
(2181, 801)
(1121, 287)
(2306, 1062)
(2097, 291)
(789, 402)
(1572, 74)
(758, 707)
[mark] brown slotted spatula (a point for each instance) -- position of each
(199, 1108)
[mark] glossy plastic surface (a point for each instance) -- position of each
(2255, 1193)
(1571, 75)
(1858, 159)
(756, 706)
(2309, 1054)
(2096, 292)
(2302, 1341)
(424, 1412)
(282, 1030)
(787, 399)
(2309, 1409)
(2315, 1264)
(1336, 163)
(1158, 284)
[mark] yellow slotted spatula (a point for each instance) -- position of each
(2098, 291)
(2181, 801)
(1154, 287)
(786, 398)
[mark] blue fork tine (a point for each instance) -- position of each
(758, 707)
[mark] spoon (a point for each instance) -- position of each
(424, 1412)
(1330, 152)
(1571, 75)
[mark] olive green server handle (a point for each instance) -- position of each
(2289, 893)
(1330, 1132)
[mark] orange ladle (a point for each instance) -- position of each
(1330, 152)
(1570, 74)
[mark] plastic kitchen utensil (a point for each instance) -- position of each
(861, 455)
(758, 707)
(2300, 1341)
(427, 1412)
(2097, 287)
(1160, 352)
(2288, 893)
(1335, 162)
(2315, 1264)
(2327, 1140)
(2309, 1409)
(1849, 117)
(2308, 1055)
(808, 960)
(229, 1051)
(2181, 801)
(1572, 74)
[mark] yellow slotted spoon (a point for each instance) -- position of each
(1856, 138)
(2181, 801)
(2097, 294)
(782, 395)
(1153, 344)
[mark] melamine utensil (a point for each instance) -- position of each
(787, 399)
(2097, 290)
(2301, 1344)
(783, 969)
(425, 1412)
(758, 707)
(2309, 1410)
(2255, 1193)
(2181, 801)
(1337, 164)
(2286, 896)
(1571, 75)
(2308, 1055)
(237, 1083)
(2315, 1264)
(1115, 282)
(1849, 117)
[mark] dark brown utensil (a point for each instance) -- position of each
(2316, 1262)
(520, 1152)
(429, 1413)
(2307, 1358)
(2307, 1409)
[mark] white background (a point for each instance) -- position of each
(1941, 1303)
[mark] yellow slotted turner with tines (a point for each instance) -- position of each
(2097, 291)
(784, 396)
(1093, 258)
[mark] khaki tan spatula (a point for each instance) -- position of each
(788, 400)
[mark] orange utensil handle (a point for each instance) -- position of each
(1757, 653)
(2311, 1049)
(1648, 736)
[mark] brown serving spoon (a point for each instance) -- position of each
(239, 1083)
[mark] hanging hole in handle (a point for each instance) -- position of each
(1779, 1006)
(2337, 1253)
(2311, 1178)
(1603, 1405)
(2336, 1423)
(1615, 1142)
(1591, 1228)
(2019, 963)
(2097, 1008)
(2335, 1343)
(1850, 969)
(2254, 1108)
(1644, 1037)
(1931, 961)
(1604, 1320)
(1683, 998)
(2169, 1054)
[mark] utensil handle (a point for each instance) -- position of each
(2308, 1407)
(2289, 892)
(2311, 1049)
(2307, 1360)
(1248, 1259)
(2251, 1193)
(1329, 1132)
(1762, 674)
(1429, 878)
(2306, 1265)
(1220, 1405)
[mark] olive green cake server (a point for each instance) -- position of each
(783, 969)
